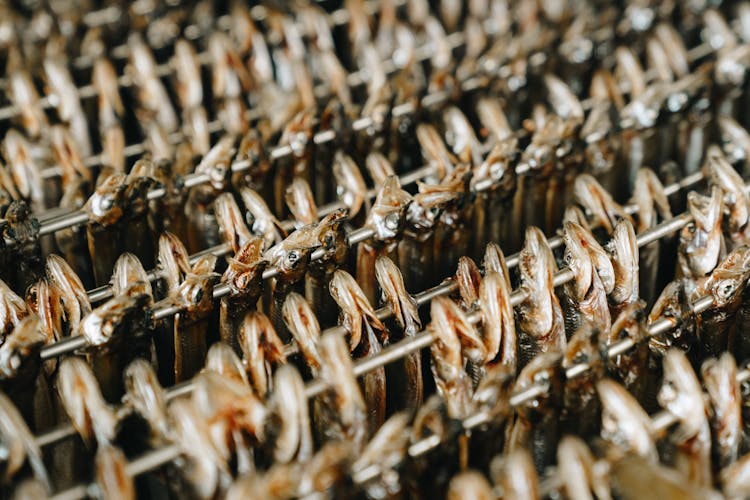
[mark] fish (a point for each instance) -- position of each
(204, 469)
(145, 395)
(261, 348)
(194, 297)
(723, 175)
(387, 219)
(653, 208)
(406, 379)
(385, 451)
(291, 258)
(333, 242)
(716, 327)
(20, 446)
(367, 334)
(701, 242)
(244, 275)
(105, 209)
(93, 419)
(541, 318)
(305, 329)
(681, 395)
(234, 415)
(625, 423)
(456, 340)
(222, 359)
(630, 475)
(292, 439)
(516, 475)
(20, 366)
(719, 377)
(594, 279)
(343, 414)
(469, 483)
(578, 471)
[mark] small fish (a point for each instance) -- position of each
(344, 415)
(681, 395)
(305, 330)
(594, 279)
(456, 339)
(235, 417)
(260, 219)
(386, 451)
(624, 423)
(351, 188)
(599, 205)
(222, 359)
(723, 175)
(105, 209)
(113, 479)
(367, 334)
(12, 310)
(407, 381)
(540, 315)
(23, 93)
(498, 321)
(720, 379)
(653, 208)
(577, 469)
(152, 96)
(147, 397)
(516, 475)
(204, 468)
(702, 242)
(387, 219)
(293, 441)
(244, 274)
(92, 417)
(634, 477)
(20, 446)
(291, 258)
(470, 484)
(261, 347)
(60, 83)
(331, 236)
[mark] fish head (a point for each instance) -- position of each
(106, 205)
(244, 271)
(173, 259)
(292, 255)
(625, 263)
(331, 236)
(388, 214)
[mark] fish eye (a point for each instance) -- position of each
(293, 257)
(391, 221)
(726, 288)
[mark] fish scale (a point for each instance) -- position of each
(283, 356)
